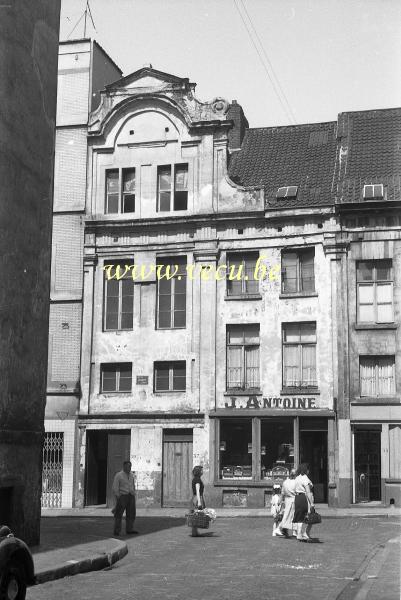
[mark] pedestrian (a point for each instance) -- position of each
(198, 501)
(288, 493)
(303, 501)
(124, 491)
(275, 510)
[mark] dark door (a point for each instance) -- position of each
(118, 450)
(177, 467)
(313, 450)
(367, 466)
(96, 467)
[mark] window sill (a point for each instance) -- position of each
(115, 393)
(367, 326)
(298, 295)
(243, 297)
(169, 328)
(162, 392)
(297, 391)
(254, 392)
(382, 400)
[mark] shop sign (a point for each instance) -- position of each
(276, 402)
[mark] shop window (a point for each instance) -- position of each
(377, 375)
(171, 293)
(240, 274)
(242, 357)
(299, 356)
(297, 268)
(172, 186)
(375, 291)
(170, 376)
(120, 200)
(276, 447)
(116, 377)
(235, 449)
(118, 297)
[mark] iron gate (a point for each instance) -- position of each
(52, 469)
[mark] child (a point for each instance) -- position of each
(275, 510)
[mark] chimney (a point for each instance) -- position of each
(240, 124)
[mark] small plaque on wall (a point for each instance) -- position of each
(142, 380)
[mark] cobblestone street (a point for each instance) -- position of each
(237, 559)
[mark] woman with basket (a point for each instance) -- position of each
(198, 501)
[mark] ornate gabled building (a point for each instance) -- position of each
(212, 327)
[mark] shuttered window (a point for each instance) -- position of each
(243, 357)
(377, 375)
(299, 355)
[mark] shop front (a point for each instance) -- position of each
(257, 441)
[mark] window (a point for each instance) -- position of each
(276, 446)
(297, 268)
(373, 191)
(119, 298)
(116, 377)
(242, 357)
(171, 293)
(172, 184)
(240, 275)
(170, 376)
(117, 202)
(235, 448)
(375, 291)
(299, 355)
(289, 191)
(377, 375)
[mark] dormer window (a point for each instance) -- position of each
(289, 191)
(373, 191)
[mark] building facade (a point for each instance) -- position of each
(215, 324)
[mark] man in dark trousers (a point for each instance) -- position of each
(124, 490)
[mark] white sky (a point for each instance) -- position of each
(329, 56)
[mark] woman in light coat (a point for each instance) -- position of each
(288, 493)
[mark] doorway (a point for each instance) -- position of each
(367, 448)
(313, 450)
(105, 454)
(177, 467)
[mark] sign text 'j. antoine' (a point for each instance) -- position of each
(254, 402)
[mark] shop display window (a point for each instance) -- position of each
(276, 447)
(236, 449)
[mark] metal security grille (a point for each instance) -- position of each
(52, 470)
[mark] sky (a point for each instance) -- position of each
(323, 56)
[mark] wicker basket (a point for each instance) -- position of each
(198, 519)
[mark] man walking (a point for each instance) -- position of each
(124, 490)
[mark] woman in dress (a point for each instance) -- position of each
(198, 501)
(303, 501)
(288, 493)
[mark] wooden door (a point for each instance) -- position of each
(313, 450)
(118, 450)
(177, 467)
(367, 466)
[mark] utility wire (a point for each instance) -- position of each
(269, 63)
(76, 25)
(276, 89)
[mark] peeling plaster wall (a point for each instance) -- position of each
(28, 61)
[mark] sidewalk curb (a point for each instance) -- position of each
(96, 562)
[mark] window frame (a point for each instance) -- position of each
(179, 260)
(244, 257)
(374, 197)
(128, 277)
(244, 346)
(299, 277)
(174, 168)
(377, 359)
(117, 368)
(121, 172)
(374, 283)
(300, 345)
(171, 364)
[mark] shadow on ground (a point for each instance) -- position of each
(65, 532)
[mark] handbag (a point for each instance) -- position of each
(198, 519)
(313, 517)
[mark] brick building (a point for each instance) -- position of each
(245, 376)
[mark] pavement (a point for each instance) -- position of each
(75, 541)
